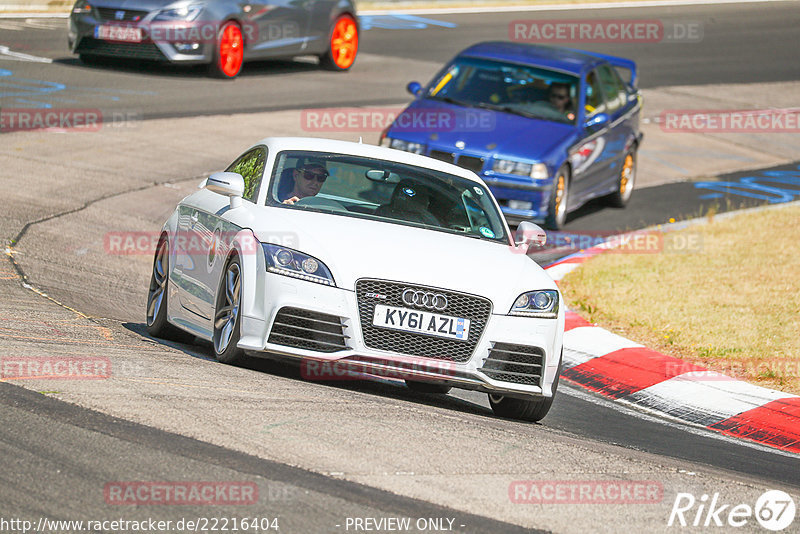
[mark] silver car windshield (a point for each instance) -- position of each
(377, 189)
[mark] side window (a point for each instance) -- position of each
(594, 95)
(251, 166)
(613, 88)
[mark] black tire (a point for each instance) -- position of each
(223, 64)
(227, 315)
(341, 59)
(524, 409)
(626, 181)
(428, 387)
(557, 207)
(156, 318)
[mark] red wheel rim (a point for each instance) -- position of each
(344, 42)
(231, 50)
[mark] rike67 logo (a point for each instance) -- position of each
(774, 510)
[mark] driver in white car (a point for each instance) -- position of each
(308, 180)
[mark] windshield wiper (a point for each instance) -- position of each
(507, 109)
(453, 101)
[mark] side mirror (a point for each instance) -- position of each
(415, 88)
(229, 184)
(529, 235)
(598, 120)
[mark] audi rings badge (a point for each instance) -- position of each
(424, 299)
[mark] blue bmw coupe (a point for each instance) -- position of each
(547, 128)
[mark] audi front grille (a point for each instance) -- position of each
(476, 309)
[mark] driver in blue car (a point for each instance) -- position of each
(558, 96)
(307, 180)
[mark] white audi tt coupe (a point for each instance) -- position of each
(356, 259)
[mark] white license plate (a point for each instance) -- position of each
(127, 34)
(421, 322)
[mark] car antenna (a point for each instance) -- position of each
(360, 140)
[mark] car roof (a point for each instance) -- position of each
(552, 57)
(316, 144)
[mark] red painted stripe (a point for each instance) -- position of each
(570, 259)
(777, 424)
(627, 371)
(573, 320)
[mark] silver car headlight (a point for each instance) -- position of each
(289, 262)
(407, 146)
(82, 7)
(537, 171)
(543, 303)
(185, 13)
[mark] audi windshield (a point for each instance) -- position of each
(389, 191)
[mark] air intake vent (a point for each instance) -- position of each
(303, 329)
(519, 364)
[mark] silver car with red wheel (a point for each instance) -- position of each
(220, 33)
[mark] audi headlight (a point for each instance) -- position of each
(289, 262)
(537, 171)
(407, 146)
(185, 13)
(542, 304)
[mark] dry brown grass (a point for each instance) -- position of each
(733, 307)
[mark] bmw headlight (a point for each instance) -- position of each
(185, 13)
(543, 303)
(407, 146)
(537, 171)
(289, 262)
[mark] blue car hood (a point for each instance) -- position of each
(483, 131)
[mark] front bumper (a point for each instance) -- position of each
(160, 42)
(506, 345)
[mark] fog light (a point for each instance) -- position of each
(187, 47)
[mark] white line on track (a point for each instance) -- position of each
(7, 53)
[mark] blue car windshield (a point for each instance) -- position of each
(508, 87)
